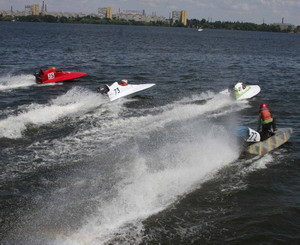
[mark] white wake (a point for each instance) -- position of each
(9, 82)
(75, 101)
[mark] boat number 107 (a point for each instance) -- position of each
(117, 91)
(51, 75)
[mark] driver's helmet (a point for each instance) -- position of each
(263, 107)
(124, 82)
(238, 86)
(54, 68)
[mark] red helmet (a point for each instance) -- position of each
(124, 82)
(262, 106)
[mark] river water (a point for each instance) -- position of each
(161, 167)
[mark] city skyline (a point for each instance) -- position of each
(256, 11)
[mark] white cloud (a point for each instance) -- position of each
(243, 7)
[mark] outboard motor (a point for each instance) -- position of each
(38, 76)
(103, 90)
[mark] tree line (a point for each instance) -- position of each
(192, 23)
(245, 26)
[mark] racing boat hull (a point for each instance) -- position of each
(117, 91)
(281, 136)
(61, 76)
(249, 92)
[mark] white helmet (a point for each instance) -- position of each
(238, 86)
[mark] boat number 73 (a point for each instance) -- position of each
(117, 91)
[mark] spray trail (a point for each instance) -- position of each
(101, 130)
(152, 181)
(13, 82)
(107, 127)
(149, 161)
(75, 101)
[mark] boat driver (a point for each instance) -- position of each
(103, 90)
(266, 122)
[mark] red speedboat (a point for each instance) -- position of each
(53, 75)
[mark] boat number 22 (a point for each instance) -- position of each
(51, 75)
(252, 137)
(117, 91)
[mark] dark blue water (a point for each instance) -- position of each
(158, 168)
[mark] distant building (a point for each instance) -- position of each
(183, 17)
(138, 16)
(28, 10)
(176, 15)
(285, 26)
(109, 13)
(35, 9)
(105, 12)
(32, 9)
(179, 16)
(67, 14)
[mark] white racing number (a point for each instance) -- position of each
(253, 136)
(51, 75)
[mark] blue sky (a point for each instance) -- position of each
(225, 10)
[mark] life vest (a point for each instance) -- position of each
(266, 116)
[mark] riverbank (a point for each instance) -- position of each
(193, 23)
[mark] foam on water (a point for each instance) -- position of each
(175, 112)
(149, 181)
(9, 82)
(77, 100)
(154, 181)
(107, 126)
(240, 169)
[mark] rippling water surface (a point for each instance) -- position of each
(157, 168)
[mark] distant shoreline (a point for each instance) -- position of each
(192, 23)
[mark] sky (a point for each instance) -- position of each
(255, 11)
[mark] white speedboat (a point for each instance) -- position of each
(116, 90)
(241, 91)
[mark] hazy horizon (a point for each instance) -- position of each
(256, 11)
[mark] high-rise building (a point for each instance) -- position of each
(35, 9)
(32, 9)
(105, 12)
(28, 10)
(109, 13)
(179, 16)
(176, 15)
(183, 17)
